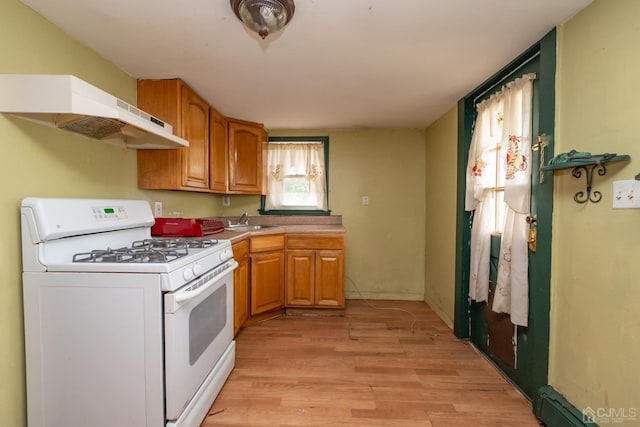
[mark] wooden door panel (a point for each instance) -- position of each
(300, 277)
(195, 125)
(241, 293)
(267, 281)
(330, 278)
(245, 157)
(219, 146)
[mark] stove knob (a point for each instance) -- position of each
(187, 274)
(197, 269)
(224, 255)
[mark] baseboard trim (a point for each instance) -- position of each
(554, 410)
(441, 313)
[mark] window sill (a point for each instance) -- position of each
(294, 212)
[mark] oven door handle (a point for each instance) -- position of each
(173, 301)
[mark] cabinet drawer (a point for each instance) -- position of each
(241, 249)
(315, 241)
(270, 242)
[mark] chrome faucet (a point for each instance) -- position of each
(244, 219)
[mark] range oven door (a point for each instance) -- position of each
(198, 329)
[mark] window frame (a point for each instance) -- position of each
(263, 197)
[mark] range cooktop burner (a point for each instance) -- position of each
(146, 251)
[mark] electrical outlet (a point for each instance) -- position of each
(365, 200)
(158, 209)
(226, 201)
(626, 194)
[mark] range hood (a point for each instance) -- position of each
(66, 102)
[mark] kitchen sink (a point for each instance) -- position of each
(245, 227)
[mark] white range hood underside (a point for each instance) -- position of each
(68, 103)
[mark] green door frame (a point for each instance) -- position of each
(539, 296)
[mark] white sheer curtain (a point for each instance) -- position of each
(296, 176)
(503, 119)
(481, 179)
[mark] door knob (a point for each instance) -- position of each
(533, 232)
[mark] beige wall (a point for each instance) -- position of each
(595, 344)
(595, 301)
(440, 215)
(41, 161)
(385, 240)
(595, 317)
(386, 165)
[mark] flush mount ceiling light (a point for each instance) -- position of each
(264, 16)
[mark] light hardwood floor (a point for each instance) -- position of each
(371, 367)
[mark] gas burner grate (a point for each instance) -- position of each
(132, 255)
(175, 243)
(146, 251)
(105, 255)
(159, 255)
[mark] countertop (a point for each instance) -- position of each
(235, 236)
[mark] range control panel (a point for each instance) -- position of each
(108, 213)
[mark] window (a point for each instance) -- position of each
(497, 189)
(297, 178)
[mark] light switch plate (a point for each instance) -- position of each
(158, 209)
(626, 194)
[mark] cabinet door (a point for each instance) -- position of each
(245, 157)
(195, 129)
(161, 169)
(300, 277)
(219, 146)
(240, 284)
(241, 293)
(267, 281)
(329, 278)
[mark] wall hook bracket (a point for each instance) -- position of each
(586, 164)
(588, 195)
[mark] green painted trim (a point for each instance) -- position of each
(540, 295)
(461, 327)
(532, 371)
(325, 141)
(554, 410)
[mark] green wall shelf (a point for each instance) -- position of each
(587, 166)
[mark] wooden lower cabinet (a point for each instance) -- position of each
(315, 270)
(241, 296)
(329, 278)
(267, 273)
(300, 274)
(310, 274)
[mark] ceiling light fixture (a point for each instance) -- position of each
(264, 16)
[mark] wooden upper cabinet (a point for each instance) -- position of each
(224, 155)
(219, 151)
(182, 168)
(195, 129)
(245, 156)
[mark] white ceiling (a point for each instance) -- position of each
(338, 64)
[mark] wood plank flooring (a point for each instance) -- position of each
(372, 367)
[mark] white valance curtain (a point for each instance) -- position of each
(296, 160)
(504, 119)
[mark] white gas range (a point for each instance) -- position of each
(120, 328)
